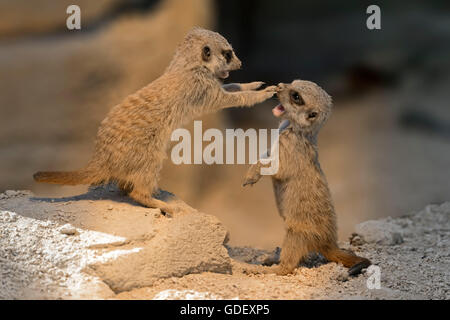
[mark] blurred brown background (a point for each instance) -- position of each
(385, 150)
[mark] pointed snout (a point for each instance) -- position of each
(281, 87)
(236, 64)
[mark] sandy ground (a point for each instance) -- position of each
(416, 268)
(53, 248)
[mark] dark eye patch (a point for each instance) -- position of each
(312, 115)
(296, 98)
(228, 55)
(206, 53)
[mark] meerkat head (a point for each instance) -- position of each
(304, 104)
(208, 50)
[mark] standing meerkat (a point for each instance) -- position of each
(301, 190)
(132, 140)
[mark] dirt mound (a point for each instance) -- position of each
(53, 248)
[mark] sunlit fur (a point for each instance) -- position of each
(132, 140)
(301, 190)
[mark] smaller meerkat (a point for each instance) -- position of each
(133, 139)
(301, 190)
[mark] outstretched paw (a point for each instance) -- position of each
(271, 89)
(267, 93)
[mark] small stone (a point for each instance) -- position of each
(396, 238)
(10, 193)
(10, 216)
(68, 230)
(356, 240)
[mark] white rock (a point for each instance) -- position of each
(10, 193)
(68, 229)
(8, 216)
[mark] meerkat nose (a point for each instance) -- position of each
(238, 63)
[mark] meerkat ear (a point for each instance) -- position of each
(206, 53)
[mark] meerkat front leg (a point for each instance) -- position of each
(233, 87)
(253, 174)
(251, 85)
(293, 251)
(243, 98)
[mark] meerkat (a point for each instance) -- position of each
(133, 139)
(301, 189)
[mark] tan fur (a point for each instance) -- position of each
(301, 190)
(132, 140)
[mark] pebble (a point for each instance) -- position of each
(397, 238)
(343, 277)
(356, 240)
(10, 216)
(10, 193)
(68, 230)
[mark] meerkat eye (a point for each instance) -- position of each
(296, 98)
(206, 53)
(228, 54)
(312, 115)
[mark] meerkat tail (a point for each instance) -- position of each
(67, 178)
(348, 259)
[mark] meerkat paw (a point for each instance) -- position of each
(255, 269)
(270, 91)
(251, 85)
(251, 180)
(172, 209)
(263, 95)
(277, 269)
(280, 270)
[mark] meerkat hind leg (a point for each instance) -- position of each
(147, 200)
(293, 251)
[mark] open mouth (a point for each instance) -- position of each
(223, 74)
(278, 110)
